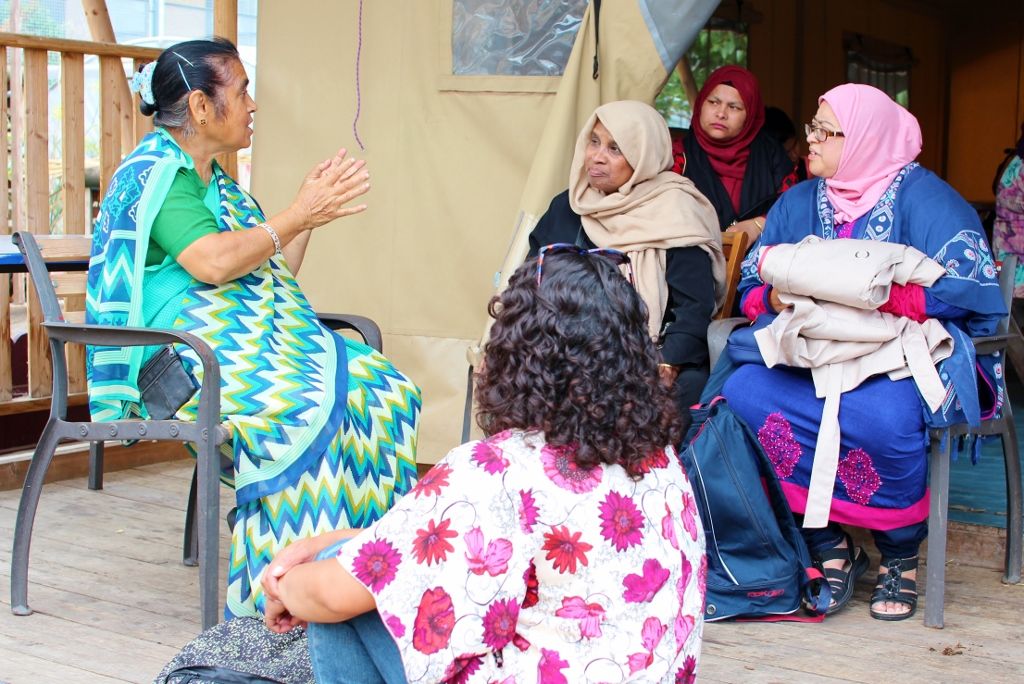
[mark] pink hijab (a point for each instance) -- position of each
(881, 137)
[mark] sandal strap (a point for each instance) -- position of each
(891, 585)
(847, 553)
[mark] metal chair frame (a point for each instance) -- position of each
(201, 536)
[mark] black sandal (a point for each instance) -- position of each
(893, 586)
(842, 581)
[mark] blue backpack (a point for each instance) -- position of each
(758, 563)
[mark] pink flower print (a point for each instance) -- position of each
(858, 475)
(590, 615)
(549, 669)
(642, 588)
(462, 668)
(651, 635)
(655, 460)
(621, 521)
(776, 436)
(565, 548)
(687, 674)
(431, 544)
(668, 529)
(489, 457)
(500, 623)
(702, 579)
(527, 510)
(683, 627)
(433, 481)
(560, 466)
(532, 586)
(685, 576)
(376, 563)
(394, 624)
(689, 515)
(493, 560)
(435, 620)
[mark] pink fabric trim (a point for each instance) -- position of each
(753, 303)
(907, 301)
(847, 513)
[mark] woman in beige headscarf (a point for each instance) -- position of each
(623, 196)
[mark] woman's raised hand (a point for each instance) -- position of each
(329, 187)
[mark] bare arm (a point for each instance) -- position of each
(222, 257)
(322, 591)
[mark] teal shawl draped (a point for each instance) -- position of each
(284, 380)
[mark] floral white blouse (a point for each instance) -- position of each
(506, 563)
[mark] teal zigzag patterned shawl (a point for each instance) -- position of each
(284, 380)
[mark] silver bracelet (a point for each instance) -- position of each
(273, 236)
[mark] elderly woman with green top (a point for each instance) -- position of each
(323, 429)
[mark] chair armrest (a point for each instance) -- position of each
(991, 343)
(366, 327)
(718, 335)
(113, 336)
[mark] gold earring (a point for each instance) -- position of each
(202, 122)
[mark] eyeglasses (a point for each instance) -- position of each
(615, 256)
(820, 134)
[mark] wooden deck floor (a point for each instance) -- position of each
(113, 604)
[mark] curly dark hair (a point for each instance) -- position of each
(572, 357)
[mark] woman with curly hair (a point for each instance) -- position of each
(565, 546)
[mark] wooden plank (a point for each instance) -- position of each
(5, 208)
(61, 248)
(72, 74)
(111, 74)
(24, 404)
(37, 174)
(83, 47)
(225, 23)
(102, 30)
(6, 371)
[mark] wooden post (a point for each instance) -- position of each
(103, 32)
(37, 175)
(111, 74)
(225, 24)
(73, 131)
(6, 372)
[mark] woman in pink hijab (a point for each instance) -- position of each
(863, 148)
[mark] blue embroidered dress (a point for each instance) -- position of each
(881, 481)
(323, 429)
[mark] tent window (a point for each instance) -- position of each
(513, 37)
(883, 65)
(719, 43)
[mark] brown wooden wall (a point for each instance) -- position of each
(966, 84)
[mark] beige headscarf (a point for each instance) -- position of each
(654, 211)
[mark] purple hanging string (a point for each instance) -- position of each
(359, 100)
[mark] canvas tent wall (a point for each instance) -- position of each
(450, 160)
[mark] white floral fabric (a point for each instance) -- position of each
(507, 563)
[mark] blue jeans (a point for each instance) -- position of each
(357, 651)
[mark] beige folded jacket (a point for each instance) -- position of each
(832, 326)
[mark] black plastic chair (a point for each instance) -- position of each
(201, 539)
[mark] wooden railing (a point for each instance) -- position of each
(25, 159)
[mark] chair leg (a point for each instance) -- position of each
(190, 545)
(938, 474)
(1014, 503)
(95, 465)
(27, 506)
(208, 493)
